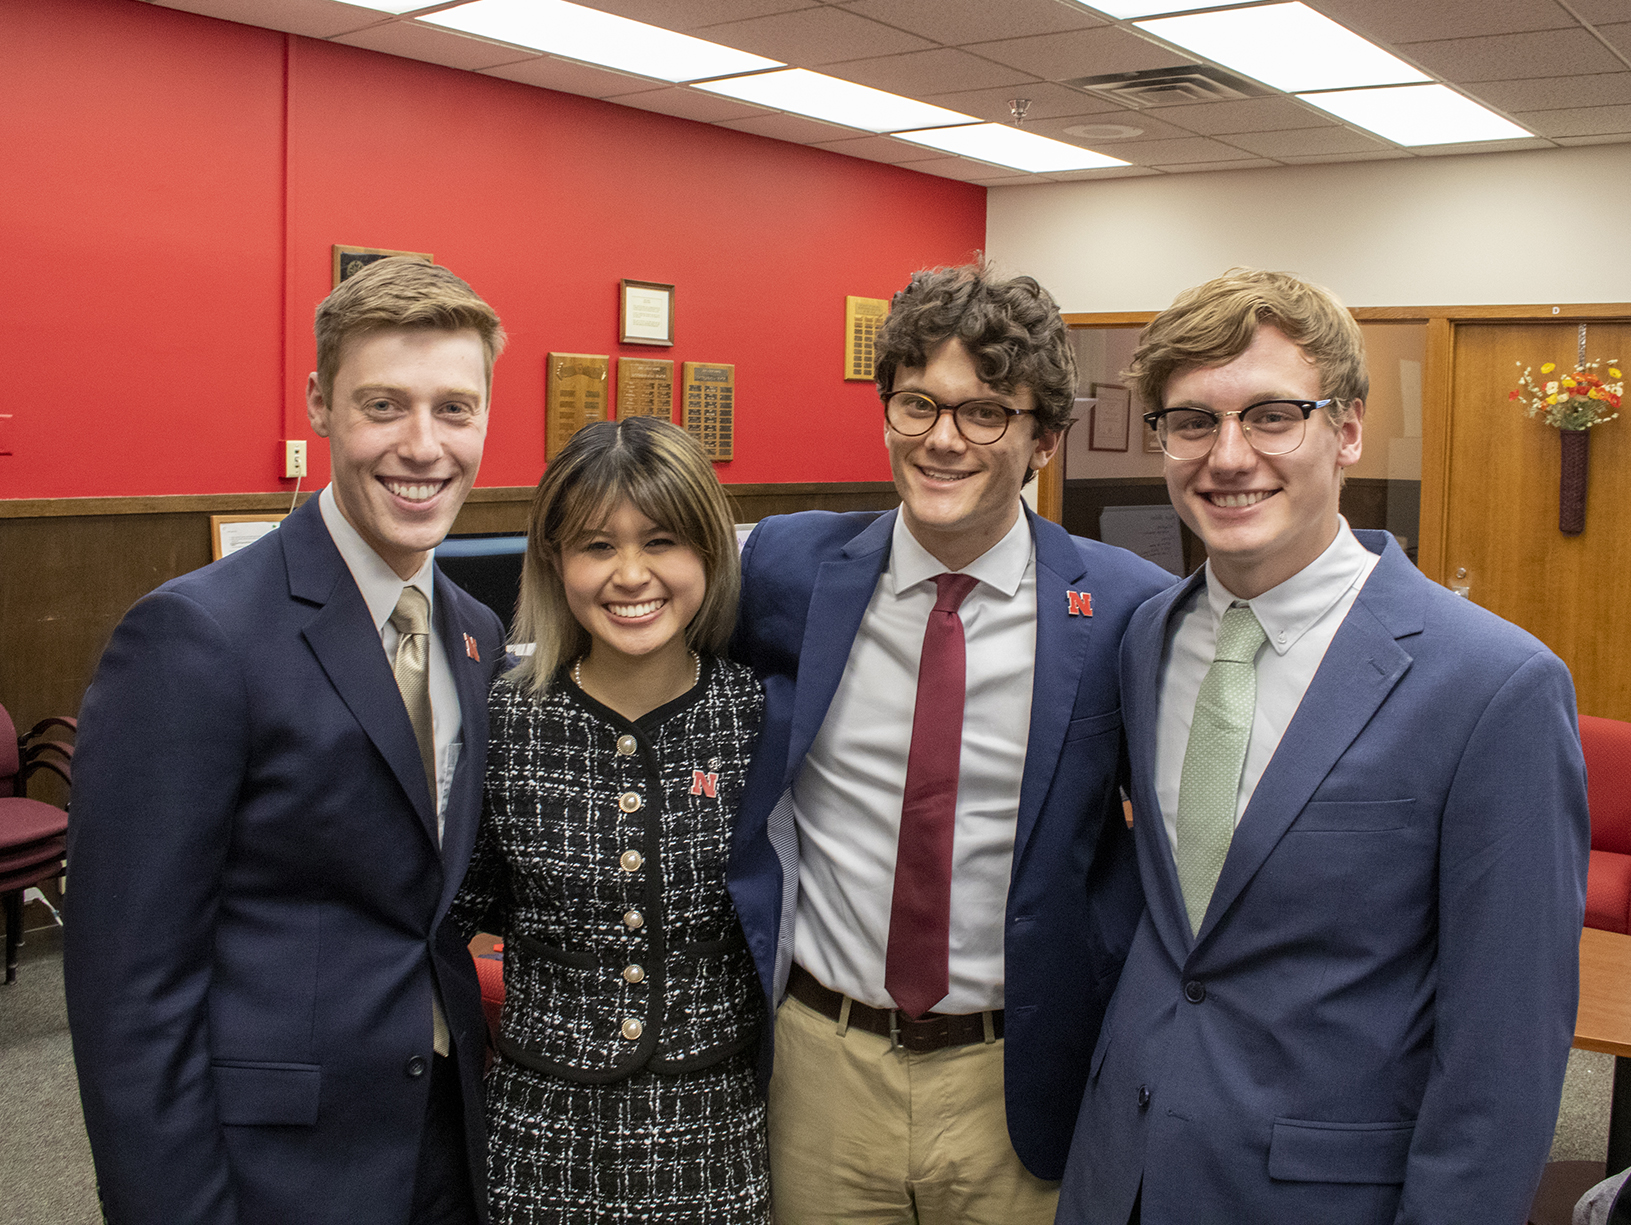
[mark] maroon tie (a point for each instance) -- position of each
(915, 971)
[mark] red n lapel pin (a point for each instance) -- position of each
(471, 649)
(1081, 603)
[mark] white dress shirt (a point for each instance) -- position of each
(847, 797)
(1300, 617)
(381, 589)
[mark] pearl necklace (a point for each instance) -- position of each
(696, 671)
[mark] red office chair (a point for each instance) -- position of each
(33, 834)
(1607, 746)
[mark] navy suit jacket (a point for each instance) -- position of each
(1373, 1021)
(1073, 898)
(254, 923)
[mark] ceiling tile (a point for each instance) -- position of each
(1514, 57)
(1321, 159)
(1080, 53)
(920, 73)
(569, 77)
(955, 168)
(1174, 152)
(1465, 149)
(689, 16)
(1246, 115)
(1304, 142)
(1109, 172)
(1551, 93)
(313, 18)
(811, 37)
(795, 129)
(1408, 21)
(1149, 128)
(880, 149)
(688, 104)
(1599, 11)
(1259, 163)
(417, 42)
(1620, 35)
(1048, 101)
(1578, 121)
(1008, 180)
(953, 22)
(1611, 138)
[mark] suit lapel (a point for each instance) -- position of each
(1141, 654)
(1362, 665)
(343, 637)
(842, 591)
(1061, 649)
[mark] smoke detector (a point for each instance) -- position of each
(1170, 86)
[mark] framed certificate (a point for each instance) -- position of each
(1108, 429)
(229, 533)
(646, 315)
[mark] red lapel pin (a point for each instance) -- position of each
(1081, 603)
(470, 648)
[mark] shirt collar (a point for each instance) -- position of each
(380, 586)
(1001, 567)
(1290, 610)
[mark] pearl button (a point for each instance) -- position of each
(633, 919)
(626, 744)
(632, 1029)
(630, 861)
(633, 974)
(629, 801)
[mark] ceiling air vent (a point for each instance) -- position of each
(1170, 86)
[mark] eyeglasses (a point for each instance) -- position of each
(1273, 427)
(912, 414)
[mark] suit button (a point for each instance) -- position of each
(633, 974)
(1194, 991)
(416, 1066)
(1143, 1097)
(633, 919)
(629, 801)
(626, 744)
(632, 1029)
(630, 861)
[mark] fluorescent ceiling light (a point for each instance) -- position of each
(392, 6)
(1006, 146)
(598, 38)
(822, 97)
(1288, 46)
(1417, 115)
(1144, 8)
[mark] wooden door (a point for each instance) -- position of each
(1501, 539)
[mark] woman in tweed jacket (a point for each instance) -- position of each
(624, 1088)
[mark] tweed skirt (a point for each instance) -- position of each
(681, 1149)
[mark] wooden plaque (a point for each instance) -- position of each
(645, 388)
(709, 406)
(349, 260)
(576, 395)
(862, 319)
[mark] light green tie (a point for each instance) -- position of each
(1209, 787)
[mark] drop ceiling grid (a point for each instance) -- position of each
(1532, 60)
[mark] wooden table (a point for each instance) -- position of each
(1604, 1024)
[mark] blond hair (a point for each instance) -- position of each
(660, 470)
(1216, 322)
(398, 292)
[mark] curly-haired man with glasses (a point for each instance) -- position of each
(931, 864)
(1360, 811)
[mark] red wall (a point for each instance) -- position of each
(171, 186)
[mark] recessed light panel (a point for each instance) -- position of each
(1149, 8)
(1006, 146)
(1288, 46)
(1417, 115)
(597, 38)
(818, 96)
(392, 6)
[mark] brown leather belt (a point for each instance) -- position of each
(933, 1032)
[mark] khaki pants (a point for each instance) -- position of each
(862, 1134)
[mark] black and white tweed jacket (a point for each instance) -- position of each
(603, 847)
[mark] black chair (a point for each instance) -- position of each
(33, 834)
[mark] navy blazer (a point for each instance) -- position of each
(255, 918)
(1373, 1021)
(1073, 898)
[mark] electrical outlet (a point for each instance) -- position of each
(294, 458)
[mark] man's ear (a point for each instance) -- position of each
(316, 406)
(1047, 443)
